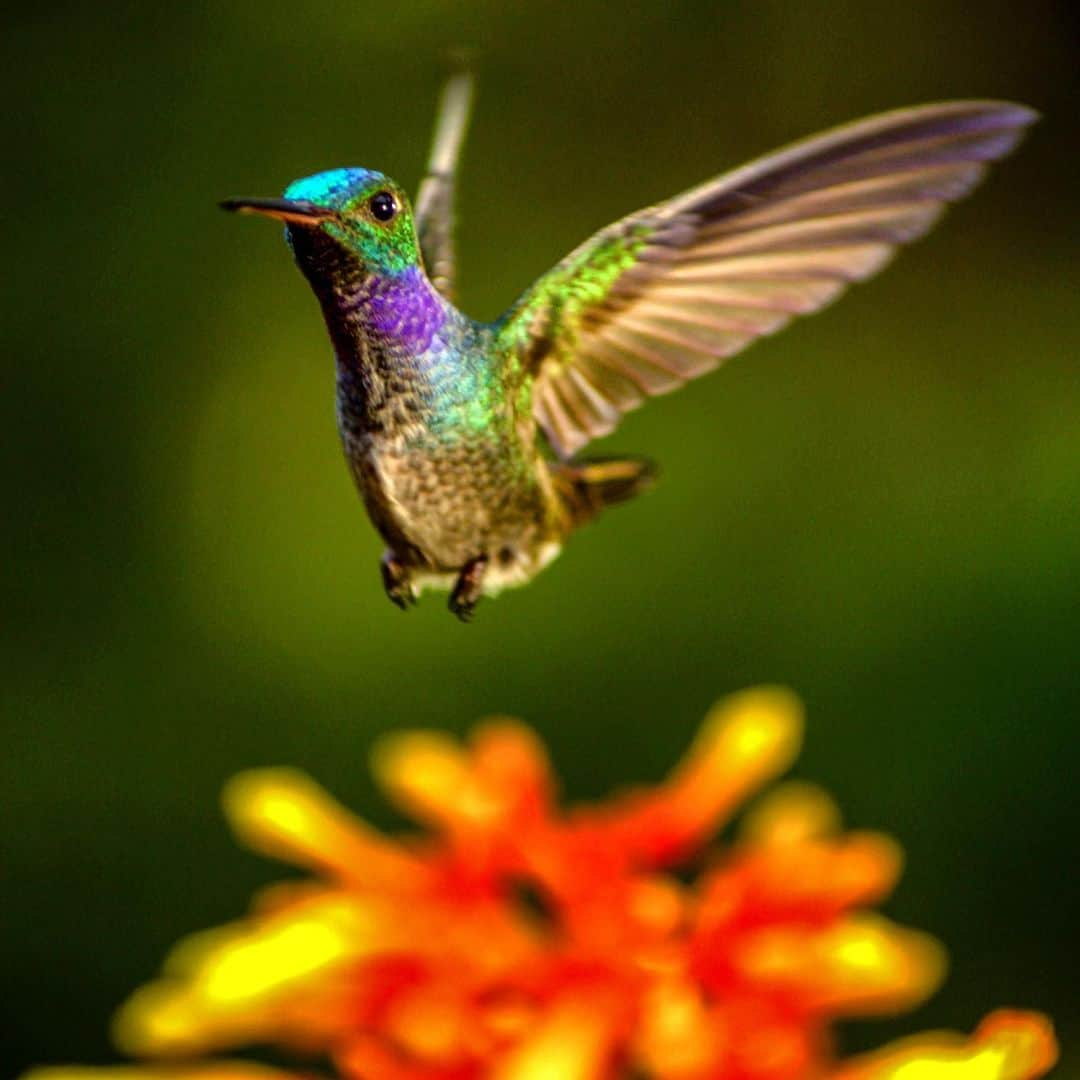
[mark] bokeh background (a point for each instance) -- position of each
(878, 508)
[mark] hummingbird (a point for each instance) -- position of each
(461, 435)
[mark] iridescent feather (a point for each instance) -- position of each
(665, 294)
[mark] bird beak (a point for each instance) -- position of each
(294, 211)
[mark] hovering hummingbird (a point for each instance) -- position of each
(460, 434)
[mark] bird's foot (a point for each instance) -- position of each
(396, 581)
(466, 594)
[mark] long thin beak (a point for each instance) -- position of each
(294, 211)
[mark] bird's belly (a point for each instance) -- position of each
(440, 505)
(501, 574)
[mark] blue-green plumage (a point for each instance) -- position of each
(459, 433)
(440, 441)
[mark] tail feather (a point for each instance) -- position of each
(592, 485)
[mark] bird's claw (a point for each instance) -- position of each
(464, 611)
(402, 598)
(396, 582)
(467, 590)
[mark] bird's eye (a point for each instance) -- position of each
(383, 206)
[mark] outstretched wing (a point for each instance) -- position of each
(665, 294)
(434, 213)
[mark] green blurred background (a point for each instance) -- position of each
(877, 508)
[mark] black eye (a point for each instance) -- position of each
(383, 206)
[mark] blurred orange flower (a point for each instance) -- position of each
(515, 942)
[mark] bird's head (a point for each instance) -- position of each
(342, 224)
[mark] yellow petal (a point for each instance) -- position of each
(426, 773)
(677, 1035)
(791, 813)
(285, 814)
(813, 878)
(746, 739)
(225, 983)
(571, 1042)
(507, 756)
(863, 965)
(1007, 1046)
(223, 1070)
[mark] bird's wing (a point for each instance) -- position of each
(434, 213)
(665, 294)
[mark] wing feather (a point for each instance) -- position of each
(663, 295)
(434, 213)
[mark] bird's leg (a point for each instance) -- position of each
(396, 580)
(466, 594)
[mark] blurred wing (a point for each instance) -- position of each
(665, 294)
(434, 214)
